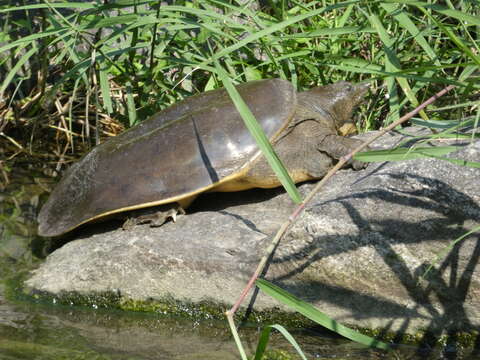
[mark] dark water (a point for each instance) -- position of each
(33, 330)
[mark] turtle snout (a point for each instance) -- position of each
(362, 89)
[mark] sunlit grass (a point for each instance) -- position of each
(407, 49)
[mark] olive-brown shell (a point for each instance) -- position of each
(181, 151)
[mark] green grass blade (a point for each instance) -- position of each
(373, 69)
(262, 343)
(118, 4)
(132, 111)
(105, 89)
(70, 107)
(82, 65)
(405, 22)
(460, 162)
(265, 336)
(31, 38)
(456, 14)
(477, 122)
(16, 68)
(259, 136)
(456, 40)
(435, 124)
(316, 315)
(236, 337)
(401, 154)
(111, 21)
(453, 37)
(70, 45)
(448, 249)
(389, 57)
(467, 72)
(459, 105)
(344, 19)
(141, 22)
(392, 63)
(331, 32)
(64, 5)
(460, 136)
(276, 27)
(290, 339)
(204, 14)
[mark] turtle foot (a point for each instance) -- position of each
(155, 219)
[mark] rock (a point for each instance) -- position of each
(358, 252)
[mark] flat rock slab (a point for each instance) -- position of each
(359, 252)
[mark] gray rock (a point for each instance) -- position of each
(358, 252)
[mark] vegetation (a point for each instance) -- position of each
(73, 73)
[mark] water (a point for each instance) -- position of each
(29, 331)
(40, 332)
(45, 331)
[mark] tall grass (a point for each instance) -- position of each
(128, 59)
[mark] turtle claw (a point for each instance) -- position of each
(172, 213)
(129, 223)
(160, 217)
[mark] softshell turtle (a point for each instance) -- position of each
(201, 144)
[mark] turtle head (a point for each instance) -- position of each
(338, 101)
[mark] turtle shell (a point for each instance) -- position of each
(186, 149)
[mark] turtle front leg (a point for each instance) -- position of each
(155, 219)
(338, 146)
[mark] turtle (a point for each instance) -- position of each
(201, 144)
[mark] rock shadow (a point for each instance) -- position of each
(449, 212)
